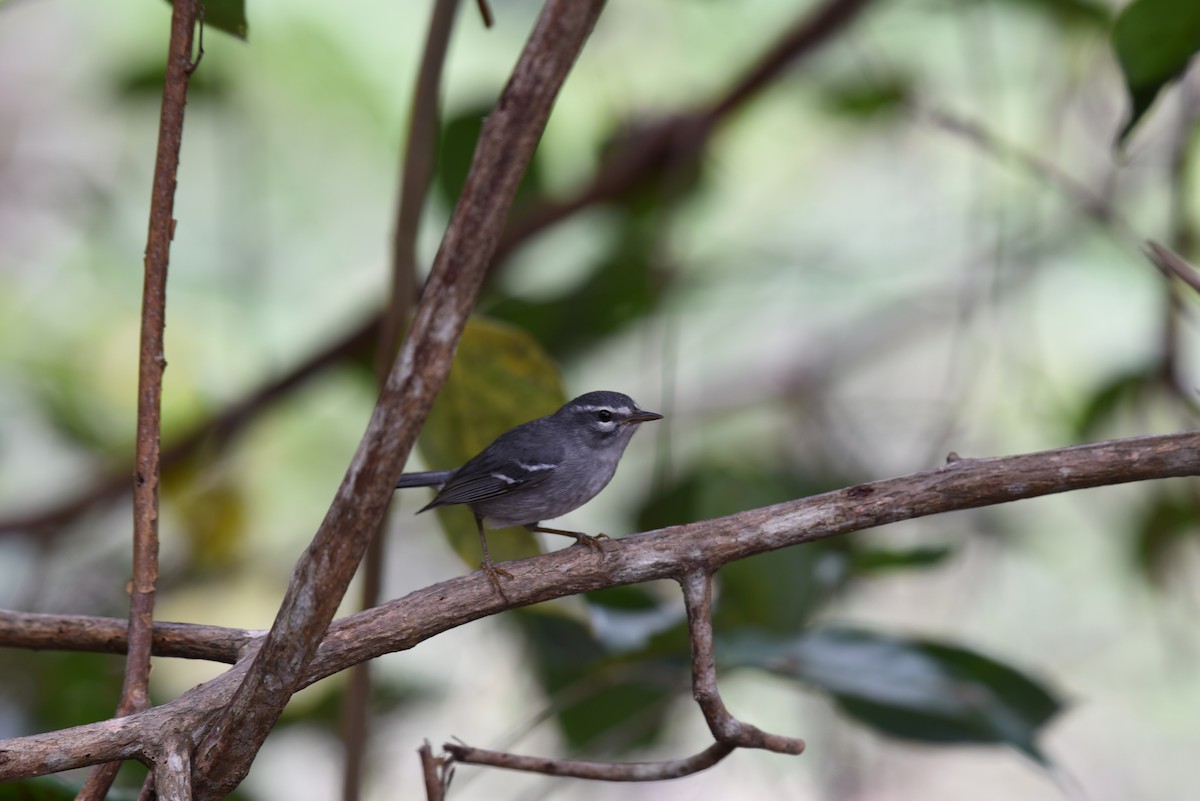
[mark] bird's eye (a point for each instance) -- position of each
(604, 416)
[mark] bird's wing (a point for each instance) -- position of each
(490, 475)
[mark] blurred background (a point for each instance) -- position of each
(922, 239)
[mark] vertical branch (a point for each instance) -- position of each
(135, 695)
(697, 597)
(324, 571)
(419, 158)
(173, 771)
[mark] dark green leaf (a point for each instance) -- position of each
(1119, 393)
(1154, 40)
(914, 689)
(624, 286)
(598, 700)
(45, 788)
(869, 97)
(879, 560)
(777, 591)
(1171, 520)
(226, 15)
(456, 149)
(1070, 12)
(500, 378)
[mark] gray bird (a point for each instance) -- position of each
(541, 469)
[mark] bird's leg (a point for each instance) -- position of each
(580, 537)
(493, 573)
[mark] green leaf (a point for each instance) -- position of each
(1121, 392)
(623, 286)
(880, 560)
(1069, 12)
(500, 378)
(1171, 520)
(226, 15)
(913, 689)
(869, 97)
(610, 705)
(1154, 40)
(456, 150)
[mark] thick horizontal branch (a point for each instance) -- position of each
(596, 771)
(669, 553)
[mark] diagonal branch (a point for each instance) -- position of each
(135, 692)
(323, 573)
(675, 141)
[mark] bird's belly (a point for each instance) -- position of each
(545, 503)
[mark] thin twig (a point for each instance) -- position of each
(322, 575)
(437, 773)
(697, 597)
(135, 693)
(679, 139)
(485, 11)
(596, 771)
(1172, 264)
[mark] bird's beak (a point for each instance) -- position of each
(641, 416)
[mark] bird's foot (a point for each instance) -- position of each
(593, 543)
(494, 574)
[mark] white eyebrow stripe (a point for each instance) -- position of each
(504, 478)
(534, 468)
(613, 409)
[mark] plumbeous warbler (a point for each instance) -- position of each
(541, 469)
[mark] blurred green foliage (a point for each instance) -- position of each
(1154, 41)
(785, 230)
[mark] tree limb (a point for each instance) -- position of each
(669, 553)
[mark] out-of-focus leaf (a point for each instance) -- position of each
(1070, 12)
(1171, 520)
(211, 507)
(914, 689)
(1154, 40)
(777, 591)
(500, 378)
(1123, 391)
(596, 699)
(456, 149)
(43, 788)
(871, 97)
(61, 689)
(145, 82)
(226, 15)
(879, 560)
(632, 597)
(623, 287)
(388, 694)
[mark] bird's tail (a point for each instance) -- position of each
(433, 478)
